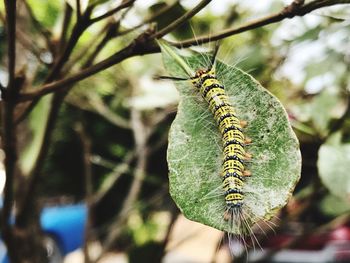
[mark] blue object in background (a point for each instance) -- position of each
(66, 224)
(3, 252)
(63, 226)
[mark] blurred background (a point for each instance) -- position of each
(103, 186)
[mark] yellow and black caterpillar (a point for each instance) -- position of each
(233, 139)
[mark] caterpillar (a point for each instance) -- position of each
(234, 142)
(233, 139)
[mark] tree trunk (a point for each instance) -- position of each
(24, 245)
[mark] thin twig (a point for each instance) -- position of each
(84, 50)
(86, 147)
(150, 18)
(124, 4)
(68, 11)
(77, 2)
(112, 29)
(288, 12)
(38, 26)
(77, 31)
(29, 44)
(113, 178)
(109, 31)
(104, 111)
(178, 22)
(140, 136)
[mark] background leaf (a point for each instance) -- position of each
(195, 154)
(333, 165)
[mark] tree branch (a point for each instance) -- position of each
(8, 129)
(294, 9)
(145, 45)
(83, 22)
(151, 18)
(86, 144)
(124, 4)
(77, 31)
(65, 24)
(178, 22)
(77, 2)
(135, 48)
(116, 174)
(110, 33)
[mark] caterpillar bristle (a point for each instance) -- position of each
(241, 238)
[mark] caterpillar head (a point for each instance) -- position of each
(201, 75)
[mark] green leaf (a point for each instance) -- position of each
(195, 153)
(39, 115)
(48, 12)
(334, 206)
(334, 166)
(323, 108)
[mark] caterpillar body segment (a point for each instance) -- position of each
(233, 139)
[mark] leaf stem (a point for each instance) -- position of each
(176, 57)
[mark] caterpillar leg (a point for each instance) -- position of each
(247, 173)
(243, 123)
(247, 156)
(247, 140)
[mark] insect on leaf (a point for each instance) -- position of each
(195, 148)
